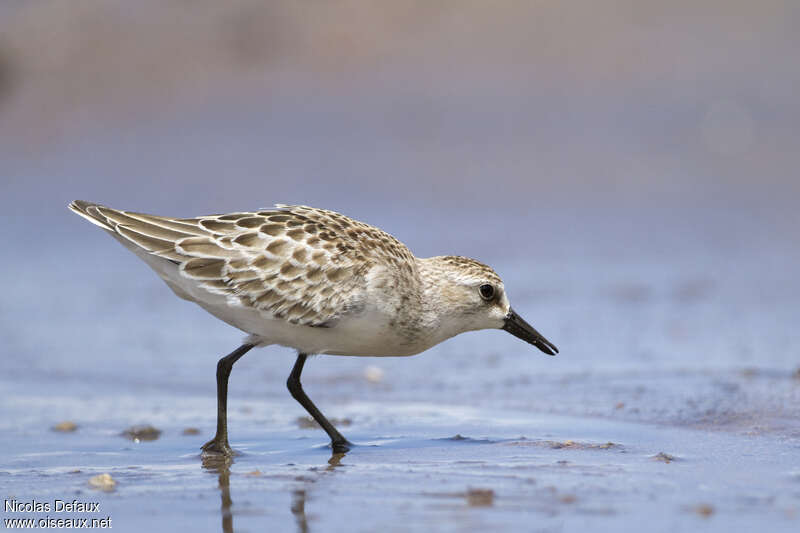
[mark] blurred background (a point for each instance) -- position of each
(629, 167)
(528, 106)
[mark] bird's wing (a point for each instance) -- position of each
(304, 265)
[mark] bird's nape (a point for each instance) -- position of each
(518, 327)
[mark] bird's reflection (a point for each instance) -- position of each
(221, 466)
(299, 510)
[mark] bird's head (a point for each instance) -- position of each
(470, 296)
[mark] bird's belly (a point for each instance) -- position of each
(368, 334)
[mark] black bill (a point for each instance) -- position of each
(519, 328)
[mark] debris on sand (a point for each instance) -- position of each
(373, 374)
(705, 510)
(475, 497)
(190, 431)
(141, 433)
(568, 444)
(102, 482)
(480, 497)
(306, 422)
(67, 426)
(664, 457)
(568, 498)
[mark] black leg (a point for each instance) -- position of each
(338, 443)
(219, 444)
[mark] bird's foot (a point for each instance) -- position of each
(218, 447)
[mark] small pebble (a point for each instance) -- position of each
(664, 457)
(704, 510)
(480, 497)
(102, 482)
(191, 431)
(140, 433)
(373, 374)
(67, 426)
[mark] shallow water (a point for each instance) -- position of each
(415, 465)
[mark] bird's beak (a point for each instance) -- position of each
(515, 325)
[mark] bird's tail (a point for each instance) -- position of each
(140, 232)
(92, 213)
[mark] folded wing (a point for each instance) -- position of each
(299, 264)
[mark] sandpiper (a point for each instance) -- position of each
(316, 281)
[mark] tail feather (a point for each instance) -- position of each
(137, 234)
(149, 226)
(90, 212)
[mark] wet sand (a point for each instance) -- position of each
(416, 465)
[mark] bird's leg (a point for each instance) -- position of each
(338, 443)
(219, 444)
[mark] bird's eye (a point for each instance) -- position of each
(487, 291)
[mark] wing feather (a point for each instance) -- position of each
(304, 265)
